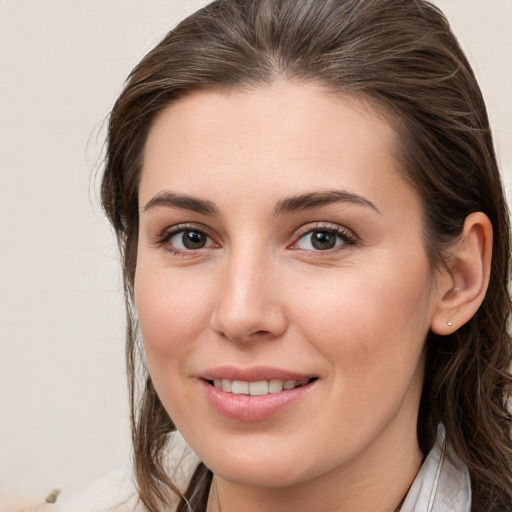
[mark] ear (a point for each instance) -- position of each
(462, 286)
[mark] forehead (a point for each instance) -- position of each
(284, 137)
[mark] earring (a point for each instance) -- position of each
(449, 323)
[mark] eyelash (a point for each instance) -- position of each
(165, 238)
(344, 235)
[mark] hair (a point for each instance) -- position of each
(402, 56)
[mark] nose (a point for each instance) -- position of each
(249, 305)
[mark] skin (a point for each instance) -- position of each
(258, 293)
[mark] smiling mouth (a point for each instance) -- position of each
(259, 388)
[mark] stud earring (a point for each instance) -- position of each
(449, 323)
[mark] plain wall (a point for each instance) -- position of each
(63, 403)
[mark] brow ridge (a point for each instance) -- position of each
(317, 199)
(183, 202)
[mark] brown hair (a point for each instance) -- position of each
(402, 55)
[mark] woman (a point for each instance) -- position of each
(316, 248)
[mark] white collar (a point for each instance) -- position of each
(442, 483)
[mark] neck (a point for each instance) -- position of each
(377, 482)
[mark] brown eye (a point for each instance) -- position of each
(188, 240)
(323, 240)
(193, 239)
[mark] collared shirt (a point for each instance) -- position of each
(441, 485)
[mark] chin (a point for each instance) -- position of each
(269, 474)
(261, 467)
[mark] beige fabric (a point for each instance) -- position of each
(115, 491)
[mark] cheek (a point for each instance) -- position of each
(372, 322)
(170, 316)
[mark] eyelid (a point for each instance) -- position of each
(168, 233)
(349, 237)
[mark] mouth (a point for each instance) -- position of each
(257, 399)
(258, 388)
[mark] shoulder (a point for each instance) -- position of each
(115, 491)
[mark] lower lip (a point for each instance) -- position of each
(252, 408)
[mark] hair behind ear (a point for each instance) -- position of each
(468, 382)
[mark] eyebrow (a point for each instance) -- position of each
(291, 204)
(317, 199)
(183, 202)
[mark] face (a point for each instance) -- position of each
(282, 286)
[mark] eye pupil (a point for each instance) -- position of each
(323, 240)
(193, 240)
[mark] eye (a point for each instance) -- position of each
(189, 240)
(184, 240)
(324, 239)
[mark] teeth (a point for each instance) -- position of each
(239, 387)
(260, 388)
(274, 386)
(226, 385)
(289, 384)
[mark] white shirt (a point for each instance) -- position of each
(441, 485)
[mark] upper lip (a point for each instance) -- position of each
(253, 374)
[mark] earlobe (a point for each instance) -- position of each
(462, 288)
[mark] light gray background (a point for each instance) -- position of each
(63, 411)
